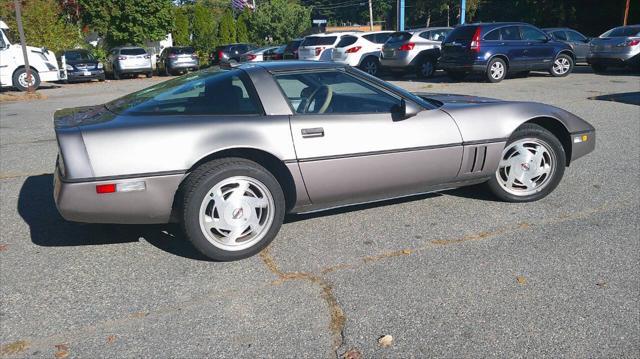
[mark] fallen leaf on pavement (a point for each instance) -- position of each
(63, 351)
(14, 348)
(352, 354)
(3, 247)
(111, 339)
(385, 341)
(521, 280)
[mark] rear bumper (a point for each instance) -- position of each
(184, 65)
(79, 202)
(613, 58)
(79, 75)
(476, 67)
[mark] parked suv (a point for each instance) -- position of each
(230, 53)
(416, 50)
(319, 47)
(619, 46)
(578, 42)
(82, 66)
(291, 50)
(361, 50)
(178, 59)
(128, 60)
(497, 49)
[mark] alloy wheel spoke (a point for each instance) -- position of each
(255, 202)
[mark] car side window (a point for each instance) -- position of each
(492, 35)
(531, 34)
(425, 35)
(439, 35)
(382, 37)
(333, 92)
(559, 35)
(574, 36)
(510, 33)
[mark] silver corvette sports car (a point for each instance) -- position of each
(228, 153)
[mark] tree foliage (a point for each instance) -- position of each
(128, 21)
(181, 32)
(242, 23)
(279, 21)
(204, 29)
(44, 24)
(227, 32)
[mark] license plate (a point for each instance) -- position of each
(389, 54)
(87, 73)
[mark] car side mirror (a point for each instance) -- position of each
(405, 110)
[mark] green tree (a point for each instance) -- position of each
(280, 21)
(242, 31)
(44, 25)
(128, 21)
(181, 33)
(227, 33)
(204, 29)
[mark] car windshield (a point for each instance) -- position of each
(183, 50)
(180, 85)
(78, 56)
(9, 35)
(623, 32)
(138, 51)
(318, 40)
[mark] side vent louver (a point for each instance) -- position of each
(475, 159)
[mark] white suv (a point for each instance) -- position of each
(416, 50)
(319, 47)
(361, 50)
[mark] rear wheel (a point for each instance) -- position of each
(496, 70)
(531, 165)
(598, 68)
(562, 66)
(149, 74)
(370, 65)
(233, 208)
(21, 81)
(456, 75)
(426, 68)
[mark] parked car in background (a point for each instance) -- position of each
(177, 59)
(497, 49)
(81, 65)
(291, 50)
(415, 50)
(230, 53)
(12, 69)
(361, 50)
(319, 47)
(276, 53)
(129, 60)
(578, 42)
(617, 47)
(256, 55)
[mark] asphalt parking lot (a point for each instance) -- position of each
(455, 274)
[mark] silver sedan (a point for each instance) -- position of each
(229, 153)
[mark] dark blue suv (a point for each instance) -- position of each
(496, 49)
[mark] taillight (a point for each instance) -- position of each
(353, 50)
(630, 42)
(147, 56)
(106, 188)
(475, 41)
(319, 50)
(407, 47)
(251, 57)
(220, 54)
(172, 56)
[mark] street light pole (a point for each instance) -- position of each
(626, 13)
(400, 14)
(463, 11)
(23, 42)
(370, 16)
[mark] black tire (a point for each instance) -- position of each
(493, 73)
(556, 71)
(116, 74)
(556, 151)
(598, 68)
(202, 180)
(426, 67)
(457, 75)
(370, 65)
(19, 80)
(149, 74)
(101, 78)
(166, 70)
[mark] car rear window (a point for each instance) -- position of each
(461, 33)
(182, 50)
(346, 41)
(319, 40)
(623, 32)
(138, 51)
(399, 36)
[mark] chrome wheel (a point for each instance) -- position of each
(236, 213)
(526, 167)
(497, 70)
(561, 66)
(22, 80)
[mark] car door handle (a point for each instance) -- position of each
(312, 132)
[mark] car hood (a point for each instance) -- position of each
(80, 116)
(451, 99)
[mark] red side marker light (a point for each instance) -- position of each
(106, 188)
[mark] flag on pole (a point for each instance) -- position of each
(241, 4)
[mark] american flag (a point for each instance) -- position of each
(241, 4)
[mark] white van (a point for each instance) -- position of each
(12, 70)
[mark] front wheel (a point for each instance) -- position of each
(232, 208)
(531, 165)
(149, 74)
(562, 66)
(21, 81)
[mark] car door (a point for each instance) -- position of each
(579, 43)
(351, 148)
(513, 47)
(539, 53)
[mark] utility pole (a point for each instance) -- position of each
(23, 42)
(626, 13)
(463, 11)
(370, 16)
(400, 15)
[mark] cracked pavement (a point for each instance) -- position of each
(453, 274)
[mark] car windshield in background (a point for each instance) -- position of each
(319, 40)
(183, 50)
(132, 52)
(346, 41)
(622, 32)
(461, 33)
(399, 36)
(78, 56)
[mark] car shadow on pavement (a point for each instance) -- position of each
(630, 98)
(49, 229)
